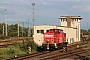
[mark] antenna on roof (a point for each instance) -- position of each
(87, 26)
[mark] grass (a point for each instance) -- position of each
(18, 49)
(11, 51)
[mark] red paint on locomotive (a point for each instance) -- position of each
(54, 36)
(54, 39)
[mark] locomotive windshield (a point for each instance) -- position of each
(51, 30)
(55, 30)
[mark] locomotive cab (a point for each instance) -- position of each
(54, 39)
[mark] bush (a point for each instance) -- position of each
(30, 44)
(18, 49)
(11, 51)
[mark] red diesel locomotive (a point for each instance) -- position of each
(54, 39)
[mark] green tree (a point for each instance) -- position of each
(1, 27)
(13, 30)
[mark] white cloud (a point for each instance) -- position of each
(23, 1)
(10, 20)
(1, 7)
(6, 2)
(41, 3)
(81, 8)
(28, 13)
(47, 3)
(86, 9)
(70, 0)
(76, 7)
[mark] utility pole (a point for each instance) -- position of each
(6, 20)
(28, 28)
(33, 14)
(22, 28)
(33, 18)
(3, 30)
(18, 28)
(82, 32)
(87, 27)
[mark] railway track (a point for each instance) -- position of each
(5, 45)
(47, 55)
(65, 55)
(12, 41)
(56, 55)
(7, 42)
(28, 56)
(73, 53)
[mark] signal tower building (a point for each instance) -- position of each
(72, 21)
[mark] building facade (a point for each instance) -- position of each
(69, 24)
(72, 21)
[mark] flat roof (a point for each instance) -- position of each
(72, 17)
(56, 26)
(67, 27)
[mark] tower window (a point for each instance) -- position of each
(66, 19)
(79, 19)
(75, 19)
(72, 20)
(61, 19)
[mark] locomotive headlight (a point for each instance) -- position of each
(48, 41)
(55, 45)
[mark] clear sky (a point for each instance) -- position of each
(46, 11)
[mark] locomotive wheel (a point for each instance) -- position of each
(51, 47)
